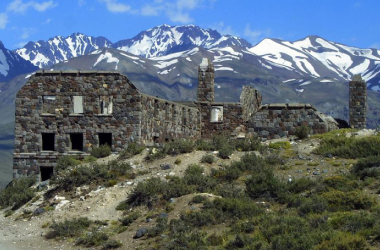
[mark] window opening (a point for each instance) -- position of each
(216, 114)
(49, 104)
(76, 141)
(48, 141)
(77, 104)
(106, 105)
(46, 173)
(105, 138)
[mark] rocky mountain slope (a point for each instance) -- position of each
(12, 65)
(58, 48)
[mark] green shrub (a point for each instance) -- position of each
(18, 192)
(198, 199)
(111, 244)
(302, 132)
(177, 187)
(228, 173)
(208, 158)
(225, 152)
(155, 154)
(315, 205)
(93, 238)
(126, 221)
(202, 218)
(344, 201)
(101, 151)
(180, 146)
(161, 226)
(119, 168)
(239, 208)
(177, 161)
(346, 241)
(131, 150)
(247, 144)
(300, 185)
(147, 192)
(367, 167)
(65, 162)
(280, 144)
(341, 183)
(263, 184)
(215, 240)
(350, 147)
(68, 228)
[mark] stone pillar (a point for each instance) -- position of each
(205, 81)
(358, 103)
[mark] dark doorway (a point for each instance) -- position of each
(46, 173)
(76, 142)
(105, 138)
(48, 141)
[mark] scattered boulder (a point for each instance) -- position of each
(140, 232)
(39, 211)
(165, 166)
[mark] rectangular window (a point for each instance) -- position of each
(76, 141)
(48, 141)
(46, 173)
(216, 114)
(77, 104)
(105, 138)
(49, 104)
(106, 105)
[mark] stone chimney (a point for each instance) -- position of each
(358, 102)
(205, 81)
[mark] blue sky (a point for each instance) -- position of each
(351, 22)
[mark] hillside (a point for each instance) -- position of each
(324, 196)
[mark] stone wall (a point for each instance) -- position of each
(358, 103)
(205, 90)
(280, 120)
(107, 102)
(163, 120)
(250, 100)
(230, 123)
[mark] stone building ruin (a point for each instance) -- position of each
(66, 113)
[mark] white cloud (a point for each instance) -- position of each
(179, 16)
(255, 36)
(26, 32)
(115, 7)
(19, 45)
(224, 30)
(3, 20)
(81, 2)
(177, 11)
(47, 21)
(149, 10)
(18, 6)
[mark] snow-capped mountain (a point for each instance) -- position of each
(165, 39)
(11, 64)
(58, 48)
(317, 57)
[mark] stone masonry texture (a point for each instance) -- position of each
(358, 103)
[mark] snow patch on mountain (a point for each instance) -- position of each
(224, 68)
(110, 59)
